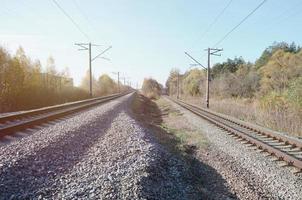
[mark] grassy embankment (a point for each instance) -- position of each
(170, 128)
(278, 119)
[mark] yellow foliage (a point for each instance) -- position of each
(280, 70)
(23, 85)
(151, 88)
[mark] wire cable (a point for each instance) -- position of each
(216, 19)
(78, 7)
(218, 16)
(71, 19)
(243, 20)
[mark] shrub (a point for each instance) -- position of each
(151, 88)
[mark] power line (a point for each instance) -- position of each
(243, 20)
(218, 16)
(83, 14)
(216, 19)
(285, 15)
(80, 10)
(70, 18)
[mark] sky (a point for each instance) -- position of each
(148, 38)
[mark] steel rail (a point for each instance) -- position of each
(4, 119)
(222, 122)
(43, 115)
(258, 129)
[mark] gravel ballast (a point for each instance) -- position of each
(248, 173)
(102, 153)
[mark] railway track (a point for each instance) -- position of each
(284, 148)
(16, 122)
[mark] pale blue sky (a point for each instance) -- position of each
(148, 37)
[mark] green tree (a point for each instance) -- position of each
(228, 66)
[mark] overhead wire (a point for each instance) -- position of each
(70, 18)
(241, 22)
(286, 14)
(218, 16)
(216, 19)
(83, 15)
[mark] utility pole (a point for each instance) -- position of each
(90, 71)
(197, 62)
(87, 46)
(177, 85)
(126, 78)
(211, 51)
(118, 80)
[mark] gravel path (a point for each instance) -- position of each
(249, 174)
(102, 153)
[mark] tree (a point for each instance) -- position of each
(194, 82)
(294, 93)
(268, 52)
(85, 83)
(171, 83)
(279, 71)
(151, 88)
(228, 66)
(50, 66)
(13, 83)
(22, 85)
(106, 85)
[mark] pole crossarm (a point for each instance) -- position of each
(101, 53)
(87, 46)
(195, 60)
(104, 58)
(82, 45)
(215, 51)
(214, 54)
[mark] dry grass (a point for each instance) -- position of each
(288, 121)
(175, 124)
(170, 128)
(152, 95)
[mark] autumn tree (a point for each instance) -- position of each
(23, 85)
(85, 83)
(280, 70)
(151, 88)
(193, 82)
(171, 83)
(106, 85)
(268, 52)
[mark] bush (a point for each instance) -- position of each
(151, 88)
(294, 93)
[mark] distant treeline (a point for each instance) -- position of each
(104, 85)
(273, 82)
(25, 85)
